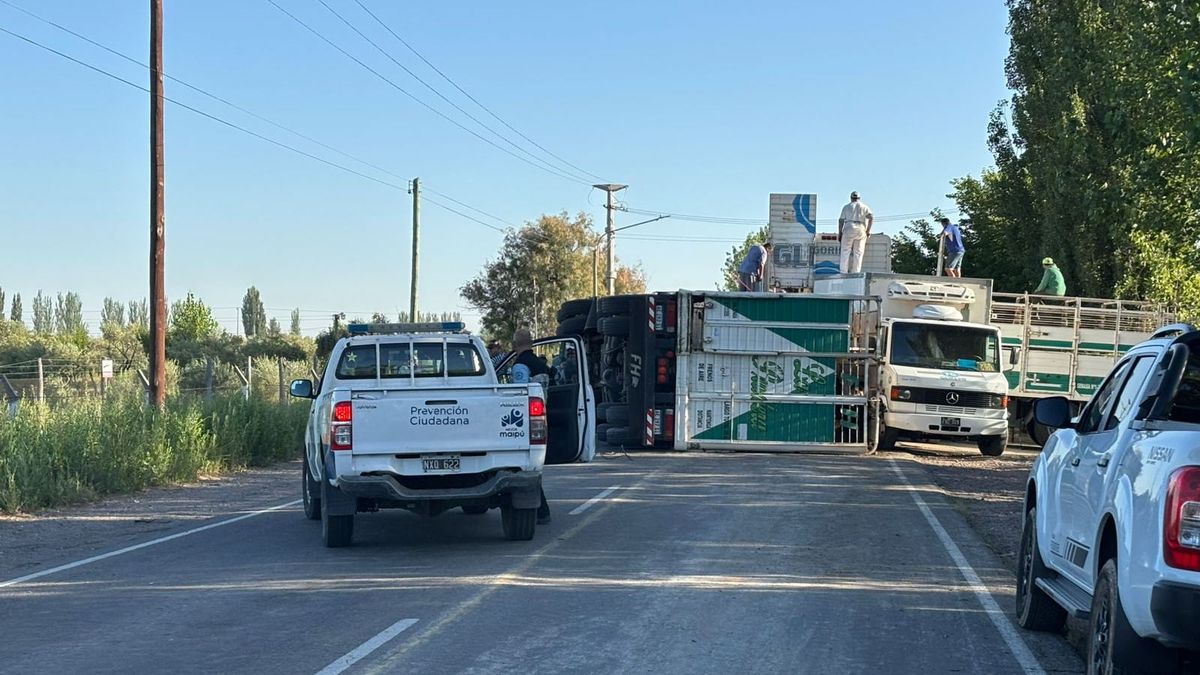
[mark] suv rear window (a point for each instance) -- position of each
(1186, 407)
(396, 361)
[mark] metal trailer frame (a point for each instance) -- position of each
(858, 364)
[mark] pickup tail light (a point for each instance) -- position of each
(341, 432)
(537, 421)
(1181, 521)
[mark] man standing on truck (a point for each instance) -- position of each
(955, 249)
(854, 226)
(754, 266)
(1052, 280)
(526, 367)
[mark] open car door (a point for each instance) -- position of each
(570, 403)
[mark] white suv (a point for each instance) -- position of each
(1112, 512)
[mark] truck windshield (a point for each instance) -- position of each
(945, 347)
(397, 360)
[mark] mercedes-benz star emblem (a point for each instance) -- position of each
(952, 397)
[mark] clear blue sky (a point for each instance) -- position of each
(701, 108)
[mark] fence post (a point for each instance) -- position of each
(14, 399)
(145, 385)
(249, 376)
(41, 382)
(208, 379)
(282, 392)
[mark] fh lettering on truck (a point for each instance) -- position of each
(439, 417)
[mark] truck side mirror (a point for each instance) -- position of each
(302, 388)
(1053, 412)
(1014, 356)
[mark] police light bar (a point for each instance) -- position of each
(392, 328)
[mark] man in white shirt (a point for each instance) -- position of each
(854, 226)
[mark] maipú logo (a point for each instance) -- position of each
(513, 419)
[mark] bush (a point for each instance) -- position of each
(93, 447)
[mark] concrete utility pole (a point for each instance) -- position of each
(609, 231)
(158, 300)
(416, 249)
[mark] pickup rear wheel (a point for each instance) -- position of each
(1113, 646)
(519, 524)
(336, 531)
(1035, 609)
(992, 446)
(310, 491)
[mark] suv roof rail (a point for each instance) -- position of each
(394, 328)
(1172, 330)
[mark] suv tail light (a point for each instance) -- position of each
(341, 433)
(1181, 521)
(537, 421)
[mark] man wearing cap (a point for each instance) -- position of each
(854, 226)
(1052, 280)
(954, 248)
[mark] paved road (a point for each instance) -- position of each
(715, 563)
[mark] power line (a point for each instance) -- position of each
(474, 100)
(723, 220)
(439, 94)
(425, 105)
(237, 127)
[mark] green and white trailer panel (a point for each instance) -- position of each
(770, 372)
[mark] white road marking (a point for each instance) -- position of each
(361, 651)
(144, 544)
(1004, 625)
(593, 501)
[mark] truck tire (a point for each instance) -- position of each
(1035, 609)
(617, 415)
(336, 531)
(622, 436)
(1113, 647)
(310, 490)
(602, 433)
(572, 326)
(602, 410)
(519, 524)
(614, 305)
(887, 438)
(614, 326)
(475, 510)
(572, 308)
(992, 446)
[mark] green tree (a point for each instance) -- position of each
(915, 248)
(68, 314)
(138, 314)
(273, 328)
(43, 314)
(295, 329)
(191, 320)
(17, 312)
(1, 304)
(113, 313)
(540, 266)
(733, 259)
(254, 316)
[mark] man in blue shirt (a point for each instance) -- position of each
(954, 248)
(750, 274)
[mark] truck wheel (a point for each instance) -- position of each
(602, 433)
(614, 305)
(615, 326)
(519, 524)
(887, 438)
(336, 531)
(622, 436)
(572, 326)
(1035, 609)
(1113, 647)
(475, 510)
(992, 446)
(617, 415)
(308, 486)
(572, 308)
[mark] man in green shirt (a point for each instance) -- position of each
(1052, 280)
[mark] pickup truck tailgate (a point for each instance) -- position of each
(394, 421)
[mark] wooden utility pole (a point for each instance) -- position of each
(416, 248)
(609, 231)
(158, 300)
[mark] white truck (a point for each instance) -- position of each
(1112, 512)
(939, 371)
(413, 416)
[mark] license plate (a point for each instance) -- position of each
(952, 421)
(449, 464)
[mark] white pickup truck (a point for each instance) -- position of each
(1112, 512)
(414, 417)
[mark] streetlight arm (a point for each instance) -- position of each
(641, 223)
